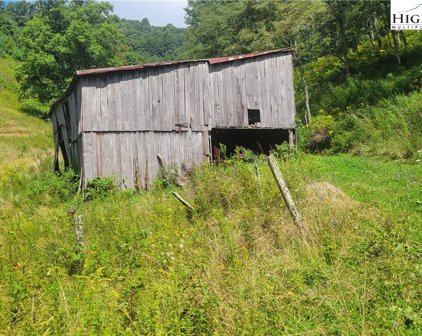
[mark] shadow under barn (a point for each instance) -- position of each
(257, 140)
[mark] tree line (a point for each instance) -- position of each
(53, 38)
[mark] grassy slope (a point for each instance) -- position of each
(22, 137)
(238, 267)
(386, 185)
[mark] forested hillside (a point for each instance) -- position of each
(148, 43)
(235, 264)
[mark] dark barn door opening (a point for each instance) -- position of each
(257, 140)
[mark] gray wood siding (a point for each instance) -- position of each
(160, 99)
(191, 95)
(122, 154)
(70, 127)
(265, 84)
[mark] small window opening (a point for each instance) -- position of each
(253, 116)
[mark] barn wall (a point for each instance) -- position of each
(191, 95)
(67, 127)
(132, 156)
(264, 83)
(164, 98)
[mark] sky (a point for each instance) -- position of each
(158, 12)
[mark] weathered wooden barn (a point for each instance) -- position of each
(123, 121)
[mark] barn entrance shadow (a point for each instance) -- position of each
(257, 140)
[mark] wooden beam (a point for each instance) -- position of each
(291, 139)
(183, 201)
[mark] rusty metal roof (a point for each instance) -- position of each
(239, 57)
(216, 60)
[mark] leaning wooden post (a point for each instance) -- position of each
(275, 169)
(184, 202)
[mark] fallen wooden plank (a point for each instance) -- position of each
(183, 201)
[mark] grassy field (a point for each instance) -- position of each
(236, 266)
(23, 138)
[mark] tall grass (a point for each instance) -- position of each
(238, 266)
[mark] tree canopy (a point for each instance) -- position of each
(149, 43)
(62, 37)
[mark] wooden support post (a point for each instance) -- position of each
(78, 222)
(275, 169)
(291, 139)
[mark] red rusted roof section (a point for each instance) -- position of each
(104, 70)
(216, 60)
(239, 57)
(87, 72)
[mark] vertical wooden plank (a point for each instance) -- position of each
(291, 109)
(275, 94)
(243, 94)
(79, 107)
(280, 89)
(265, 116)
(87, 156)
(186, 115)
(154, 98)
(219, 117)
(85, 93)
(98, 147)
(123, 114)
(109, 118)
(268, 109)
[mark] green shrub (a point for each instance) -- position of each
(321, 132)
(350, 131)
(33, 107)
(392, 128)
(99, 188)
(285, 152)
(168, 175)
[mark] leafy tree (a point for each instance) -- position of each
(221, 27)
(149, 43)
(62, 37)
(8, 30)
(296, 27)
(21, 12)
